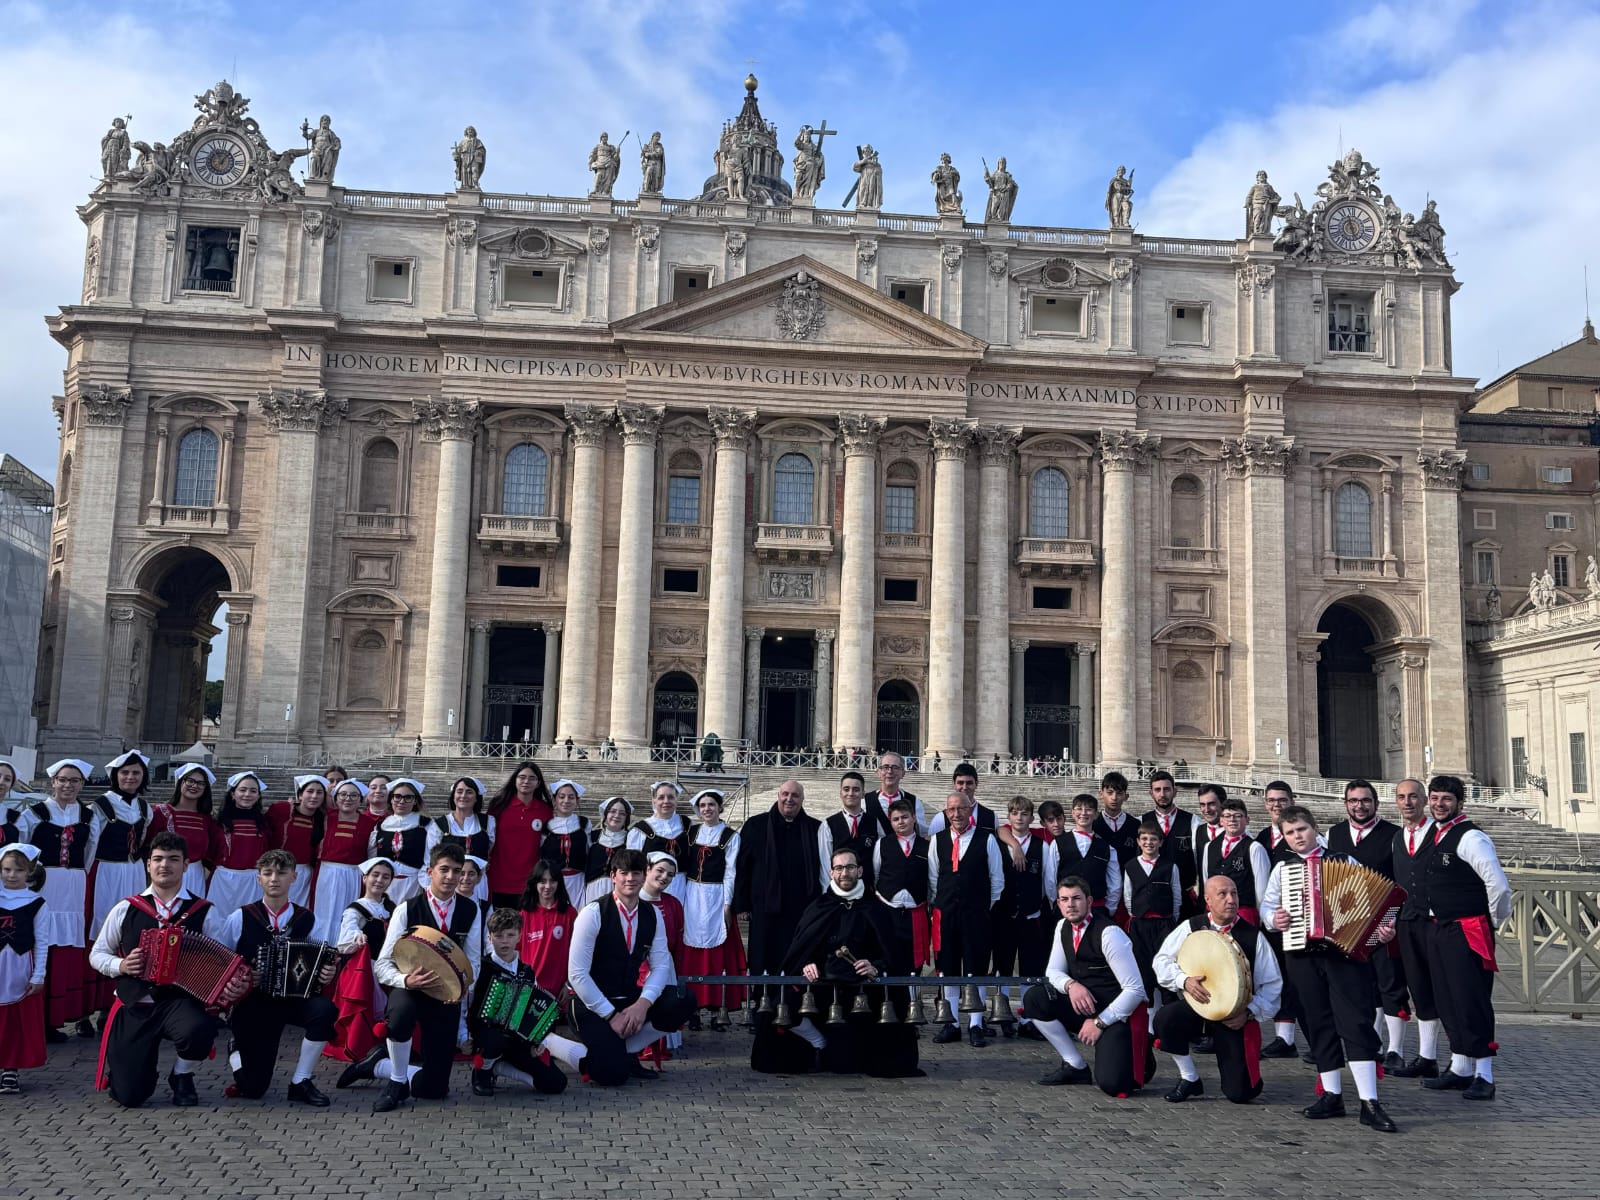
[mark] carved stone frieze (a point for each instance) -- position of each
(800, 312)
(733, 242)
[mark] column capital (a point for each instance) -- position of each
(450, 419)
(997, 444)
(104, 405)
(731, 425)
(1084, 649)
(301, 410)
(1019, 645)
(640, 423)
(860, 432)
(236, 619)
(588, 423)
(1125, 449)
(482, 627)
(825, 637)
(952, 438)
(1441, 469)
(550, 626)
(754, 633)
(1259, 454)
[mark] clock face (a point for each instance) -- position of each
(219, 161)
(1351, 227)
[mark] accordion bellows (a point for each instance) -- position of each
(1338, 902)
(199, 965)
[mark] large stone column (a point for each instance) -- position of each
(453, 423)
(1120, 452)
(821, 713)
(580, 661)
(752, 682)
(1262, 460)
(477, 673)
(1083, 686)
(549, 695)
(858, 586)
(1019, 732)
(1445, 722)
(630, 639)
(947, 601)
(725, 601)
(996, 457)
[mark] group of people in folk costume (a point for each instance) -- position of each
(612, 910)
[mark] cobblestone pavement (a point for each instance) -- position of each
(975, 1126)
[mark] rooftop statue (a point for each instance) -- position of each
(869, 188)
(946, 187)
(1119, 199)
(1260, 206)
(324, 143)
(115, 150)
(469, 156)
(605, 160)
(1002, 193)
(652, 166)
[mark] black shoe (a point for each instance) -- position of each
(306, 1092)
(1277, 1048)
(637, 1070)
(1392, 1062)
(1067, 1074)
(1186, 1089)
(1372, 1115)
(183, 1093)
(1008, 1030)
(1479, 1089)
(1417, 1068)
(85, 1028)
(694, 1025)
(483, 1081)
(363, 1068)
(393, 1096)
(1202, 1046)
(1447, 1081)
(1327, 1105)
(975, 1036)
(947, 1035)
(1030, 1031)
(54, 1037)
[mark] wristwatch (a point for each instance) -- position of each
(1099, 1024)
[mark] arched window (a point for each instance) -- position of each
(792, 488)
(524, 490)
(369, 669)
(196, 482)
(1352, 521)
(1185, 515)
(683, 488)
(1048, 504)
(380, 476)
(900, 499)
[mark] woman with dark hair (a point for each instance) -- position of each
(521, 811)
(547, 918)
(189, 816)
(615, 814)
(378, 798)
(63, 830)
(246, 835)
(345, 838)
(402, 838)
(665, 829)
(467, 826)
(297, 827)
(566, 838)
(117, 872)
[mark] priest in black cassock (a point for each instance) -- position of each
(776, 876)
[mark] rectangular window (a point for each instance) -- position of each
(899, 591)
(1561, 569)
(211, 258)
(899, 509)
(1555, 474)
(687, 282)
(680, 579)
(1580, 762)
(1485, 566)
(683, 500)
(1555, 397)
(1478, 471)
(912, 295)
(1483, 518)
(1058, 314)
(532, 285)
(1557, 520)
(516, 577)
(1186, 324)
(1519, 763)
(1350, 323)
(1052, 597)
(389, 279)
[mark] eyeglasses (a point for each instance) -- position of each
(845, 867)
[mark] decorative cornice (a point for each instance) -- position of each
(1125, 449)
(1441, 469)
(105, 405)
(952, 438)
(640, 423)
(450, 419)
(299, 410)
(1259, 454)
(997, 444)
(588, 424)
(732, 426)
(860, 432)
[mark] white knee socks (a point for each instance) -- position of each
(1056, 1034)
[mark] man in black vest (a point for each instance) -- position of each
(1117, 826)
(1095, 984)
(776, 876)
(616, 940)
(1082, 852)
(1177, 829)
(258, 1019)
(1468, 895)
(965, 879)
(1368, 839)
(1277, 797)
(1412, 846)
(1240, 857)
(1208, 800)
(1237, 1040)
(900, 868)
(144, 1014)
(853, 827)
(964, 779)
(891, 770)
(435, 907)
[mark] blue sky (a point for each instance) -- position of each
(1487, 108)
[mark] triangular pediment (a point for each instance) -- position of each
(799, 303)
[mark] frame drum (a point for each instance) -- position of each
(1215, 958)
(424, 948)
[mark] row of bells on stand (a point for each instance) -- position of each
(997, 1010)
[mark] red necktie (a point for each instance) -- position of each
(441, 913)
(1228, 843)
(1077, 934)
(955, 851)
(1439, 832)
(905, 846)
(628, 918)
(1166, 825)
(855, 821)
(1411, 842)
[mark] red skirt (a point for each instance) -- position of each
(921, 939)
(726, 959)
(22, 1033)
(67, 984)
(357, 1029)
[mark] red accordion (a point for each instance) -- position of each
(182, 958)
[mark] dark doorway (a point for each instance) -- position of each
(788, 690)
(677, 704)
(189, 585)
(513, 695)
(899, 718)
(1347, 696)
(1049, 721)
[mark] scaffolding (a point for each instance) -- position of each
(26, 502)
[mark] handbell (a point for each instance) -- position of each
(860, 1007)
(720, 1022)
(1000, 1012)
(785, 1018)
(808, 1004)
(917, 1013)
(887, 1015)
(971, 1002)
(764, 1009)
(942, 1014)
(991, 1014)
(836, 1013)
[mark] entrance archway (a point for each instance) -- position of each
(899, 718)
(676, 707)
(1049, 720)
(513, 694)
(1347, 696)
(788, 690)
(189, 583)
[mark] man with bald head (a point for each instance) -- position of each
(777, 875)
(1413, 843)
(965, 879)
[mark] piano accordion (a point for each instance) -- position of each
(1337, 902)
(201, 966)
(288, 970)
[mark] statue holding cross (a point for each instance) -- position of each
(809, 167)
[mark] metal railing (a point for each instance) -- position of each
(1549, 949)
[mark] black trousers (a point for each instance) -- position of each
(257, 1024)
(1113, 1053)
(1238, 1050)
(1413, 936)
(516, 1052)
(966, 941)
(608, 1062)
(1021, 945)
(133, 1043)
(1288, 1002)
(440, 1022)
(1389, 971)
(1147, 934)
(1463, 988)
(1336, 997)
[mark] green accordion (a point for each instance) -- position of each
(521, 1008)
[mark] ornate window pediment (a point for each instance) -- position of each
(1059, 274)
(529, 242)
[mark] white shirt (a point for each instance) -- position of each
(670, 827)
(866, 823)
(707, 835)
(231, 928)
(937, 824)
(997, 878)
(27, 822)
(1477, 851)
(388, 971)
(352, 935)
(1128, 885)
(580, 960)
(917, 812)
(1415, 837)
(1260, 861)
(105, 955)
(1265, 978)
(475, 823)
(1272, 895)
(1119, 956)
(10, 901)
